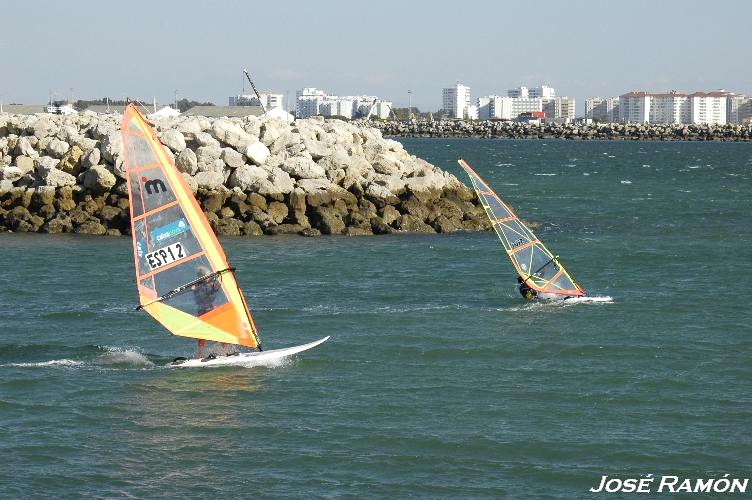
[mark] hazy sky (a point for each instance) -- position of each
(149, 49)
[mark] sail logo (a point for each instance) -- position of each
(154, 186)
(173, 229)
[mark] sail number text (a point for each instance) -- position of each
(165, 255)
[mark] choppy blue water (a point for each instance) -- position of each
(438, 381)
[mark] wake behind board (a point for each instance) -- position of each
(249, 358)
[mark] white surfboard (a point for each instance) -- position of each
(249, 358)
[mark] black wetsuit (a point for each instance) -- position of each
(525, 290)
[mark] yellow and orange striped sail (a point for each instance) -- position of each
(182, 274)
(535, 264)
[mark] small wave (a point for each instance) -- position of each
(118, 356)
(626, 182)
(245, 363)
(41, 364)
(556, 304)
(547, 175)
(576, 300)
(505, 164)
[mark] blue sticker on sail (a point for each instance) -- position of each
(172, 229)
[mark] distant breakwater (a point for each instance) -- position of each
(601, 131)
(252, 176)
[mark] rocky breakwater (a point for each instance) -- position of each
(252, 176)
(599, 131)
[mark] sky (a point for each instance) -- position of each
(198, 49)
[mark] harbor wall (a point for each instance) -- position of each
(600, 131)
(252, 176)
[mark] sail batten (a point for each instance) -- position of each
(182, 274)
(536, 265)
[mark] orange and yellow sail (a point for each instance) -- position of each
(182, 274)
(536, 265)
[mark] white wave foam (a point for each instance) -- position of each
(41, 364)
(604, 300)
(551, 304)
(122, 356)
(626, 182)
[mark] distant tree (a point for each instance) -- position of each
(184, 104)
(82, 104)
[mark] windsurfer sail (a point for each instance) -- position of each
(541, 274)
(182, 274)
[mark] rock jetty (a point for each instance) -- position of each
(251, 175)
(602, 131)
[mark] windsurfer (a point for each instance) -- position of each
(203, 293)
(525, 290)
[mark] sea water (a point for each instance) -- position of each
(439, 380)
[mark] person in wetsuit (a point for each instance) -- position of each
(525, 290)
(203, 294)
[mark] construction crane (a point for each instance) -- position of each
(254, 90)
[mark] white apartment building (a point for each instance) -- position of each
(605, 110)
(674, 107)
(559, 109)
(541, 92)
(456, 100)
(634, 107)
(269, 100)
(524, 100)
(708, 107)
(495, 107)
(311, 101)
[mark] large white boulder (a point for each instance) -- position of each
(98, 178)
(257, 152)
(247, 177)
(112, 146)
(303, 168)
(232, 158)
(231, 134)
(209, 180)
(173, 140)
(187, 162)
(57, 148)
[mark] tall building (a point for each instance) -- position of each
(605, 110)
(311, 101)
(527, 100)
(456, 100)
(675, 107)
(708, 107)
(269, 100)
(559, 109)
(634, 107)
(541, 92)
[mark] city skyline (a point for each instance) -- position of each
(583, 50)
